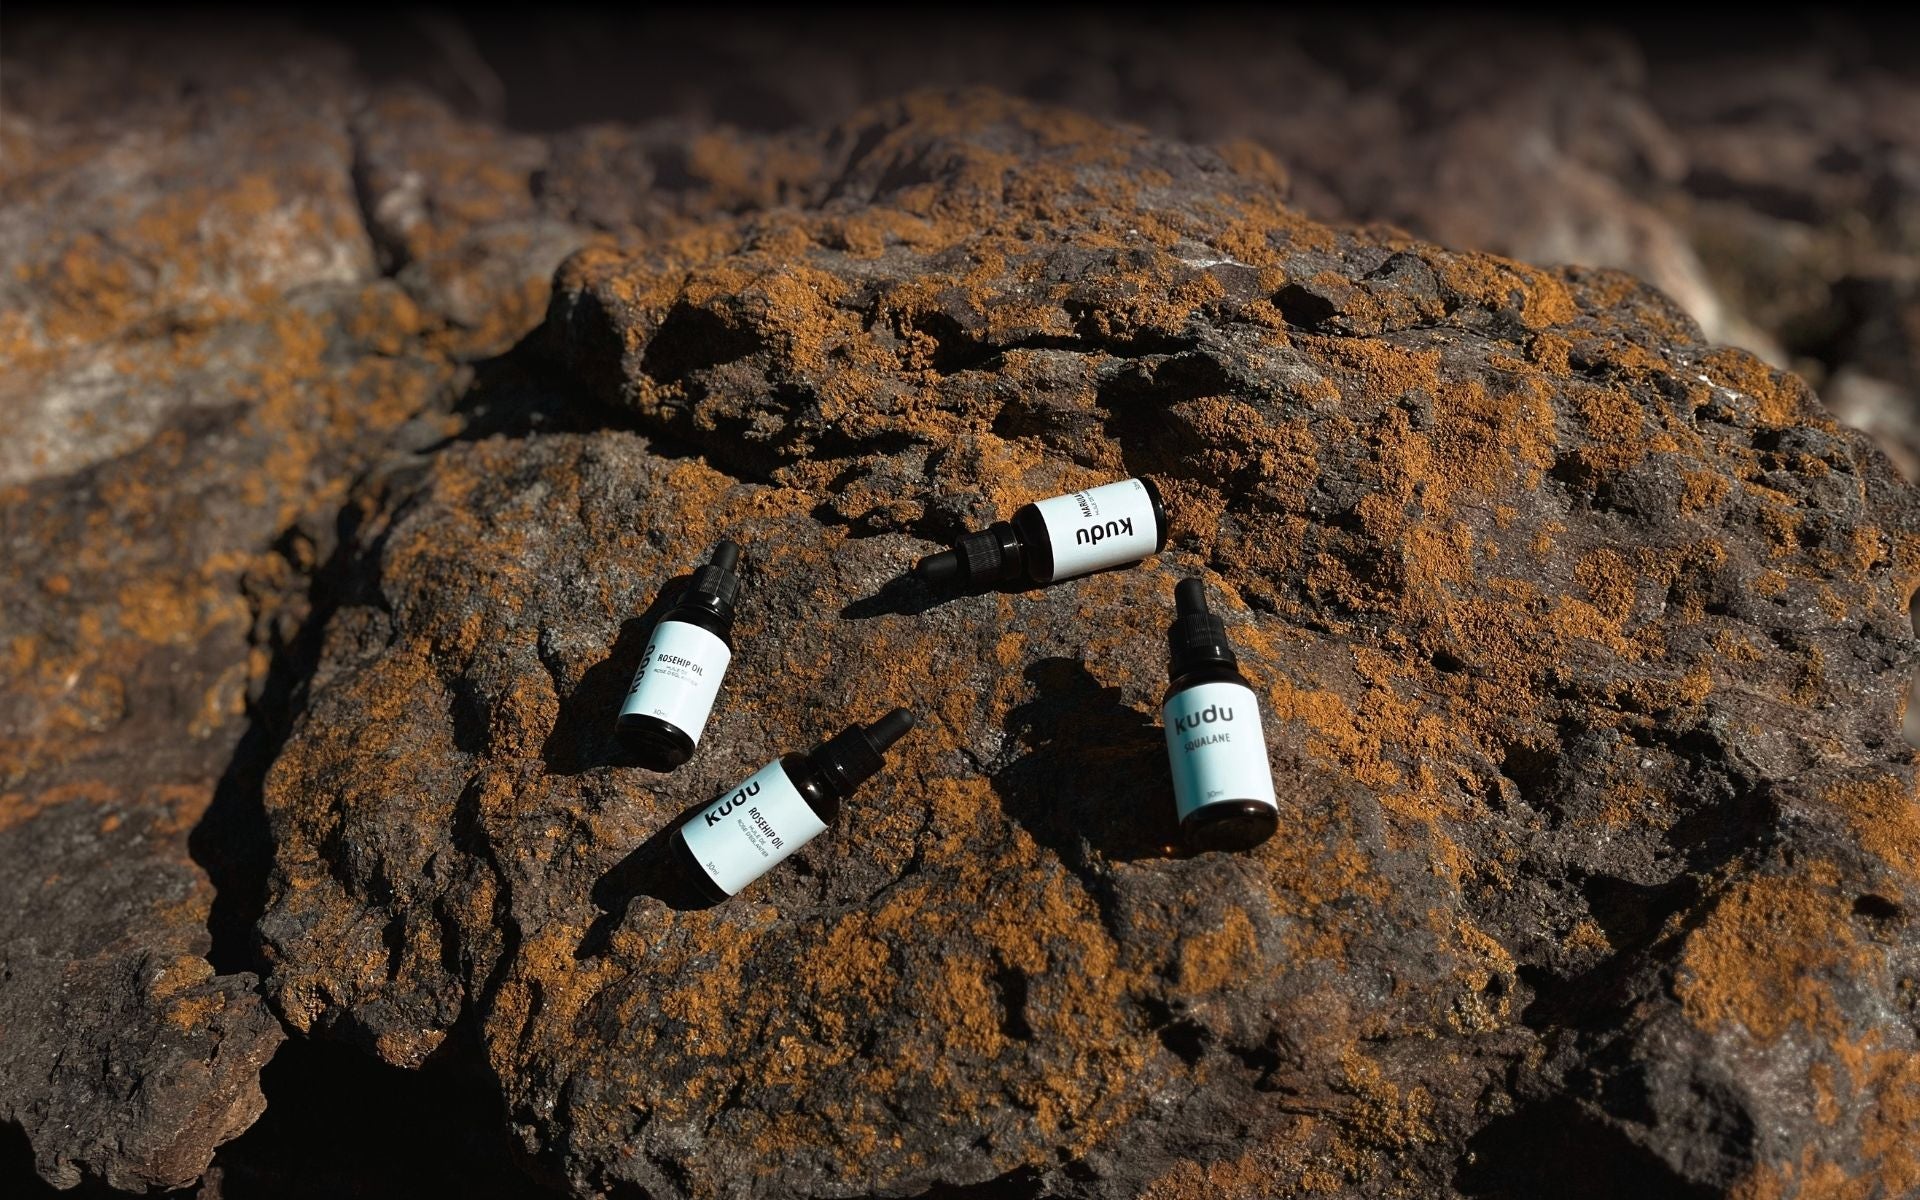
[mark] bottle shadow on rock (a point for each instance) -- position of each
(583, 736)
(906, 594)
(1090, 779)
(651, 869)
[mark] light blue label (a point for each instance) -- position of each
(1217, 746)
(679, 677)
(745, 832)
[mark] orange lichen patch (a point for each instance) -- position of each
(1734, 647)
(1880, 1094)
(1254, 161)
(1890, 1130)
(1826, 1102)
(1812, 1178)
(175, 807)
(1764, 959)
(1610, 581)
(89, 291)
(183, 972)
(1498, 283)
(1544, 538)
(1870, 547)
(1782, 526)
(1386, 1115)
(1810, 677)
(1588, 937)
(1781, 398)
(1220, 957)
(1077, 1102)
(159, 609)
(1307, 1156)
(1487, 977)
(408, 1047)
(22, 650)
(1807, 1178)
(1552, 351)
(1616, 428)
(194, 1012)
(1240, 444)
(1308, 872)
(1885, 814)
(17, 808)
(868, 233)
(1382, 370)
(1337, 733)
(545, 979)
(1631, 801)
(1486, 444)
(204, 252)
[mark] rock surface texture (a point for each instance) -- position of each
(1769, 184)
(159, 442)
(1581, 648)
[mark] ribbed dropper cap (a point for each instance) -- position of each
(853, 757)
(1197, 638)
(716, 585)
(977, 558)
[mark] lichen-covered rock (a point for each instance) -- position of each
(233, 275)
(146, 600)
(1759, 182)
(1581, 648)
(131, 224)
(204, 357)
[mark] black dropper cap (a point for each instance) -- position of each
(717, 584)
(986, 557)
(1197, 639)
(851, 758)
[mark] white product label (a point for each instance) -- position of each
(678, 677)
(742, 835)
(1218, 749)
(1099, 528)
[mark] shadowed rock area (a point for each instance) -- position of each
(1582, 648)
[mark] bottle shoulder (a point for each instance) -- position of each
(700, 618)
(813, 786)
(1159, 507)
(1036, 544)
(1204, 675)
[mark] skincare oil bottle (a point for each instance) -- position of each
(1222, 782)
(749, 829)
(1075, 534)
(679, 675)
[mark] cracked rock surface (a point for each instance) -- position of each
(357, 442)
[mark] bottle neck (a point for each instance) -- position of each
(711, 592)
(1029, 531)
(996, 553)
(1207, 672)
(704, 617)
(1197, 640)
